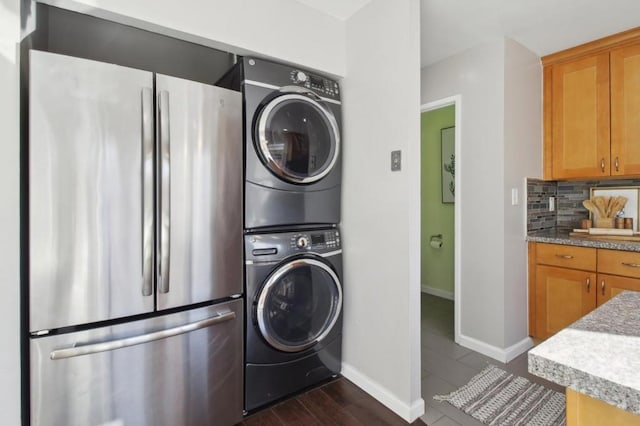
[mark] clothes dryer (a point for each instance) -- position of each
(292, 136)
(294, 312)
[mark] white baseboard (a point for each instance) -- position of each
(437, 292)
(502, 355)
(522, 346)
(408, 412)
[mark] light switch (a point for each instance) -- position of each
(395, 161)
(514, 196)
(552, 204)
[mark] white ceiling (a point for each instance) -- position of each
(449, 27)
(543, 26)
(341, 9)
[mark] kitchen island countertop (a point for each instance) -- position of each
(598, 355)
(559, 236)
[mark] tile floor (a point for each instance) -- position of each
(446, 366)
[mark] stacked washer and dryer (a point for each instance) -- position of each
(293, 255)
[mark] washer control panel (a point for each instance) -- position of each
(321, 85)
(280, 245)
(315, 241)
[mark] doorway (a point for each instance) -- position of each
(440, 245)
(440, 219)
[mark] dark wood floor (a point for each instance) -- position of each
(338, 402)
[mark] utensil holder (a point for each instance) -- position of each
(605, 222)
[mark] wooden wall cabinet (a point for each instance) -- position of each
(625, 110)
(567, 282)
(591, 105)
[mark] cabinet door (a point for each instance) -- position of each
(580, 118)
(625, 111)
(562, 297)
(611, 285)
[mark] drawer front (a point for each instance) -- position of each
(617, 262)
(566, 256)
(188, 379)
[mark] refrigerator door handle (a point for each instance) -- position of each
(138, 340)
(165, 193)
(147, 190)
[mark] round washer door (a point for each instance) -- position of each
(297, 138)
(299, 304)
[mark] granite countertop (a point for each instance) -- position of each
(598, 355)
(559, 236)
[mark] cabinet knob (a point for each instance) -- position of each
(602, 165)
(617, 164)
(602, 286)
(631, 265)
(588, 284)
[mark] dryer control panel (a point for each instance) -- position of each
(321, 85)
(269, 247)
(271, 74)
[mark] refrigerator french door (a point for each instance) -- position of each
(135, 201)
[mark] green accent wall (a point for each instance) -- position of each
(436, 217)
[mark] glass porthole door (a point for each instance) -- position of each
(297, 138)
(299, 304)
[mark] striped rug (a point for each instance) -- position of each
(496, 397)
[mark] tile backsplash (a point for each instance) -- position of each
(569, 196)
(539, 218)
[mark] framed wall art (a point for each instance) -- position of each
(448, 167)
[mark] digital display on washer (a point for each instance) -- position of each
(317, 239)
(315, 81)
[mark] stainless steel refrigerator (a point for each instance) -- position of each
(135, 247)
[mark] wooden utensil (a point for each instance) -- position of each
(601, 205)
(610, 202)
(590, 205)
(618, 204)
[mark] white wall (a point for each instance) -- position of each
(499, 83)
(281, 29)
(381, 251)
(478, 75)
(522, 158)
(9, 213)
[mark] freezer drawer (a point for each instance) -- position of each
(193, 377)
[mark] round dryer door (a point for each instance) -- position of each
(299, 304)
(297, 138)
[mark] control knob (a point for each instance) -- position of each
(302, 242)
(301, 77)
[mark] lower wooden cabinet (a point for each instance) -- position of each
(567, 282)
(610, 285)
(583, 410)
(562, 297)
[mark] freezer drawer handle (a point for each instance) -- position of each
(137, 340)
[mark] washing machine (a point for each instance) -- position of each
(292, 123)
(294, 312)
